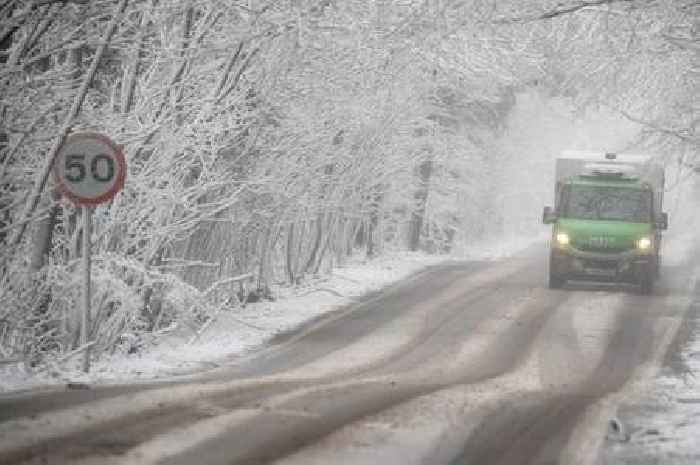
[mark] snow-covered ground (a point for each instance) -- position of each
(238, 331)
(663, 427)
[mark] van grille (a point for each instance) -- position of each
(602, 264)
(589, 248)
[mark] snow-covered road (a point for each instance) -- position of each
(468, 362)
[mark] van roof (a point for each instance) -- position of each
(626, 183)
(594, 156)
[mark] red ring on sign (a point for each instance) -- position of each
(121, 170)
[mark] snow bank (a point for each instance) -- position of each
(236, 332)
(664, 426)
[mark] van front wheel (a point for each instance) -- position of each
(555, 281)
(646, 282)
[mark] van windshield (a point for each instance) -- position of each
(606, 203)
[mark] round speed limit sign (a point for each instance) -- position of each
(89, 169)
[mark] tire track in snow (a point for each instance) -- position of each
(539, 409)
(408, 426)
(569, 427)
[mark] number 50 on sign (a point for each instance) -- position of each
(89, 169)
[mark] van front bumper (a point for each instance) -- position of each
(629, 266)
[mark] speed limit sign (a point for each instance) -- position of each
(89, 169)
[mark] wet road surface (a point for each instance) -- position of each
(464, 363)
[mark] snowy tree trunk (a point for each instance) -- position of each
(290, 249)
(421, 197)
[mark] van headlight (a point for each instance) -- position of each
(644, 243)
(563, 238)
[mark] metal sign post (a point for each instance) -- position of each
(85, 320)
(89, 170)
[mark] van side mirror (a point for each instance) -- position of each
(548, 216)
(663, 221)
